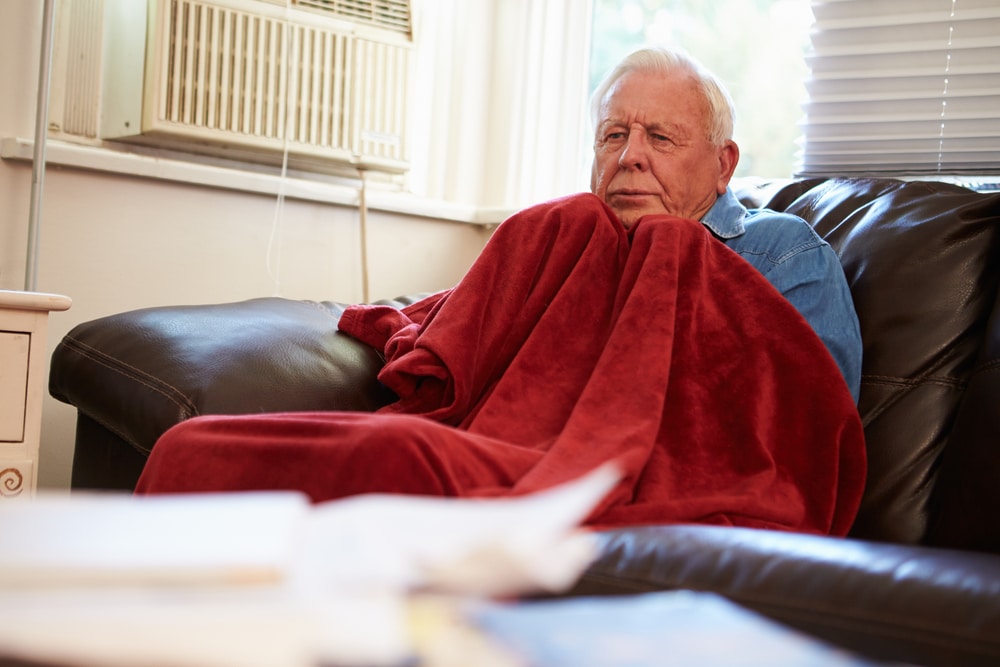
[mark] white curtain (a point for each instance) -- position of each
(500, 91)
(903, 87)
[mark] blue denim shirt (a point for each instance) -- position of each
(802, 266)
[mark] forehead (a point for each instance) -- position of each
(647, 97)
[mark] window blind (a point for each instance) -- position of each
(903, 87)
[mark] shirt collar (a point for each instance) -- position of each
(725, 218)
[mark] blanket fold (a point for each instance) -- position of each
(572, 341)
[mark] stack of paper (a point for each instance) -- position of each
(266, 578)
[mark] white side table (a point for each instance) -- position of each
(24, 318)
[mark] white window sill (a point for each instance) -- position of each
(155, 166)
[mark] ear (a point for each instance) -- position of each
(729, 156)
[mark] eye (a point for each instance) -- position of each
(613, 139)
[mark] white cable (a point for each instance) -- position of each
(363, 211)
(274, 240)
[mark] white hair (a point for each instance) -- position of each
(722, 113)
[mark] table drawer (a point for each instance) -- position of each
(14, 349)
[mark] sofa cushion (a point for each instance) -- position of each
(966, 498)
(139, 373)
(921, 261)
(891, 602)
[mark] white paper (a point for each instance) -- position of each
(481, 547)
(113, 539)
(263, 579)
(228, 627)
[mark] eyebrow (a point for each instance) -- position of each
(652, 127)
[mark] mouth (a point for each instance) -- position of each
(629, 194)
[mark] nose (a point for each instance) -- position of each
(635, 155)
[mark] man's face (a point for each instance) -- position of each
(651, 150)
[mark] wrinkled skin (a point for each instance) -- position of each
(652, 153)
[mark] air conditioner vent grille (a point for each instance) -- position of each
(224, 70)
(388, 14)
(238, 79)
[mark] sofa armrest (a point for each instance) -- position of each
(892, 602)
(138, 373)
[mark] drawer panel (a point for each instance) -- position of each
(14, 348)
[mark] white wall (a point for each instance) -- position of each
(115, 242)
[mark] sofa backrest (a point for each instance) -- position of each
(923, 263)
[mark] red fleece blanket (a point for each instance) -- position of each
(570, 342)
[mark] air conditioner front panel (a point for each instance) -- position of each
(223, 74)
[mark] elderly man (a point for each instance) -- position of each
(663, 144)
(604, 326)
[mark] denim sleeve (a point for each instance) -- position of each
(814, 282)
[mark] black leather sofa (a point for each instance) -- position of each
(918, 580)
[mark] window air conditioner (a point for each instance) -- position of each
(325, 80)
